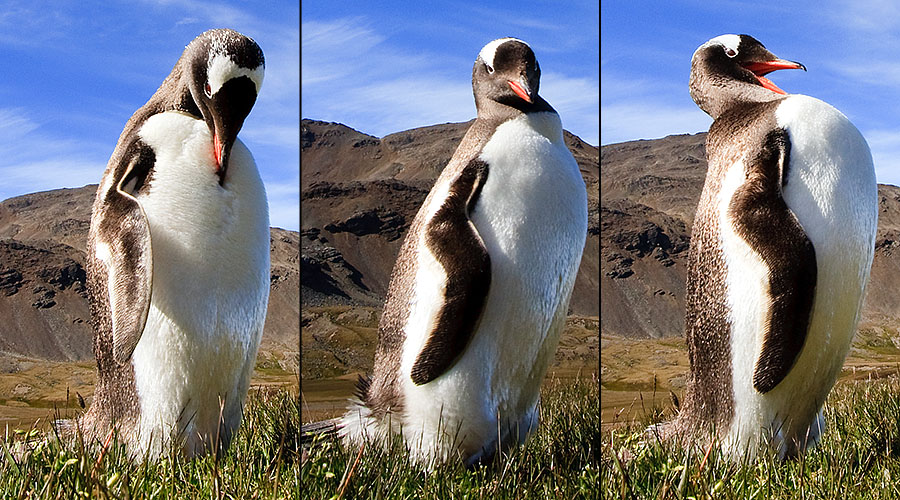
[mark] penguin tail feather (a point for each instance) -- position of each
(362, 388)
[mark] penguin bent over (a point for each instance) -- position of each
(178, 258)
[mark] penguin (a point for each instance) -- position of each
(178, 259)
(781, 247)
(481, 286)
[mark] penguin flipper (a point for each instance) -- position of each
(454, 240)
(763, 219)
(125, 232)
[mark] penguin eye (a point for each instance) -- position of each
(207, 90)
(730, 52)
(489, 68)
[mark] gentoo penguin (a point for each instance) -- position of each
(780, 254)
(481, 286)
(178, 258)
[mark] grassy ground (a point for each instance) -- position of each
(31, 392)
(262, 462)
(858, 457)
(637, 374)
(561, 460)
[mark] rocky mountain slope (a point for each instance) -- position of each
(44, 311)
(650, 190)
(360, 193)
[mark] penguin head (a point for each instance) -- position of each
(506, 71)
(730, 68)
(225, 73)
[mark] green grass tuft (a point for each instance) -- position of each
(560, 460)
(262, 462)
(857, 458)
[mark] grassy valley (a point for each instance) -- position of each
(339, 344)
(34, 389)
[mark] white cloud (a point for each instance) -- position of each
(284, 135)
(41, 150)
(885, 147)
(284, 209)
(352, 74)
(634, 120)
(636, 108)
(576, 100)
(14, 124)
(32, 160)
(385, 107)
(880, 17)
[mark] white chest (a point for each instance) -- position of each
(532, 217)
(831, 191)
(210, 247)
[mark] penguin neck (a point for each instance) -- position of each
(174, 94)
(544, 119)
(509, 106)
(716, 93)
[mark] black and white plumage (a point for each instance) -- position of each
(481, 286)
(781, 249)
(178, 257)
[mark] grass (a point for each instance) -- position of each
(262, 462)
(561, 460)
(858, 457)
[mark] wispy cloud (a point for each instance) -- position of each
(576, 100)
(648, 120)
(880, 17)
(635, 108)
(885, 147)
(354, 74)
(111, 60)
(350, 75)
(284, 211)
(33, 160)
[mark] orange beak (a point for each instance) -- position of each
(519, 90)
(217, 151)
(760, 69)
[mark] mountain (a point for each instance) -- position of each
(360, 193)
(650, 190)
(43, 299)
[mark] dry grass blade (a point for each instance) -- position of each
(349, 474)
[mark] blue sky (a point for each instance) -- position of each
(850, 49)
(382, 69)
(74, 72)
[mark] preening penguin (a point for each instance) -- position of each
(481, 286)
(780, 254)
(178, 257)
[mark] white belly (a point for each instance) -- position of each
(210, 285)
(831, 190)
(532, 216)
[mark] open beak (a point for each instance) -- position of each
(521, 90)
(760, 69)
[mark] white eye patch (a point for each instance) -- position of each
(730, 42)
(490, 50)
(221, 69)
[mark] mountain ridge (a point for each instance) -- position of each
(359, 194)
(43, 298)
